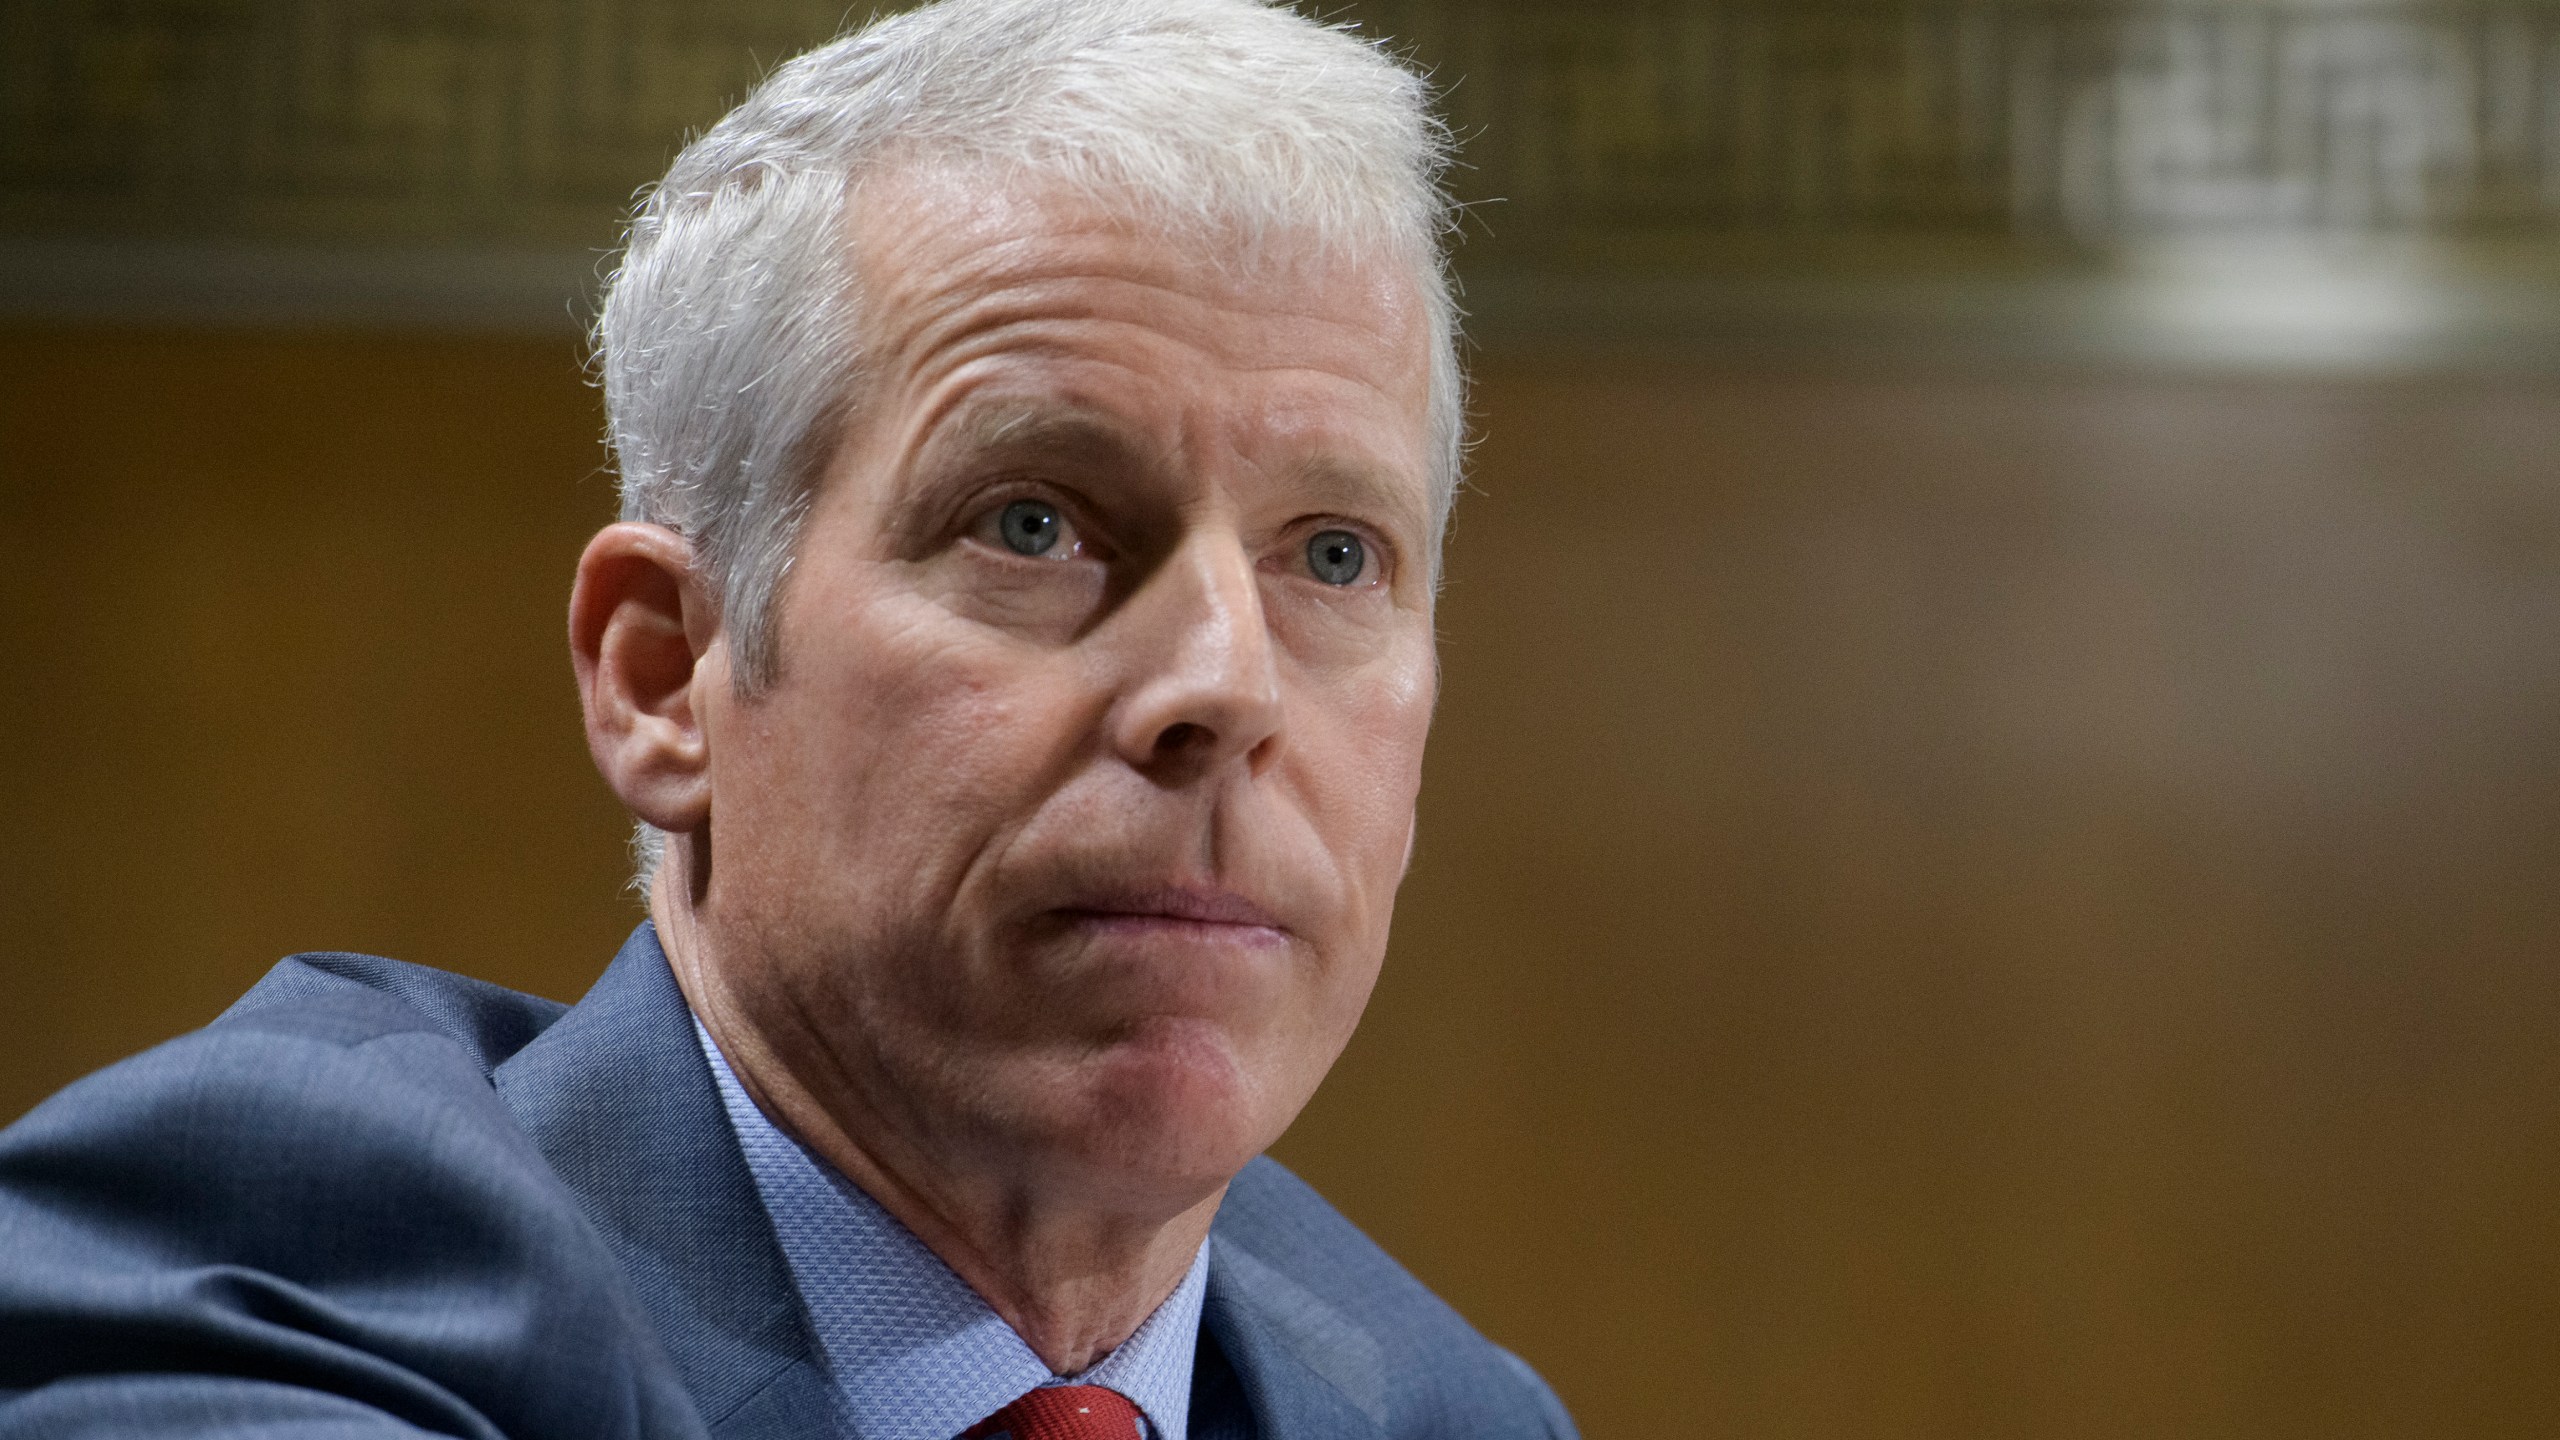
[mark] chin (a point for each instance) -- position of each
(1173, 1103)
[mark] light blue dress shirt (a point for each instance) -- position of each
(915, 1354)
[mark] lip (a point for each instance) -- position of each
(1175, 906)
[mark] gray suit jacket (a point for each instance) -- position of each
(374, 1199)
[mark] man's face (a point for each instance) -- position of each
(1070, 831)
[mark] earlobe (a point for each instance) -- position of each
(641, 629)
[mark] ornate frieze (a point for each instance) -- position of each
(533, 121)
(1675, 164)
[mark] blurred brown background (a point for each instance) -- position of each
(1988, 856)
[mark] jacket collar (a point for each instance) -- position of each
(619, 1099)
(1305, 1368)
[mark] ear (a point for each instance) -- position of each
(642, 628)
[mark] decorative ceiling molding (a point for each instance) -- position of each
(1714, 149)
(2042, 123)
(393, 122)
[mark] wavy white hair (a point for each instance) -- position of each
(729, 343)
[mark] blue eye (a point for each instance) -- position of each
(1030, 527)
(1336, 556)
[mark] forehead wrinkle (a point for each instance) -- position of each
(1045, 426)
(974, 424)
(1013, 297)
(1019, 282)
(1355, 488)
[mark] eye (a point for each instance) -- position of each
(1037, 529)
(1336, 556)
(1030, 527)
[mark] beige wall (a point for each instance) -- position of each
(287, 675)
(1959, 906)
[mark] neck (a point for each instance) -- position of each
(1074, 1284)
(1073, 1277)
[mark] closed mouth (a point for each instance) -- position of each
(1221, 914)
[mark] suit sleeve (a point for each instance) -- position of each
(1551, 1411)
(254, 1232)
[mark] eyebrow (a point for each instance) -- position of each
(1075, 435)
(1082, 437)
(1352, 487)
(1045, 427)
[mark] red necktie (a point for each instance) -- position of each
(1063, 1412)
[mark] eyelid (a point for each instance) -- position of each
(1381, 553)
(985, 508)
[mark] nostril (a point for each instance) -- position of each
(1182, 736)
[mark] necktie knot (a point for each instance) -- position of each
(1063, 1412)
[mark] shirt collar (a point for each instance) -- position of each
(914, 1352)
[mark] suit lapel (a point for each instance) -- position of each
(1305, 1369)
(619, 1098)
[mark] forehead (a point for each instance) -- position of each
(984, 294)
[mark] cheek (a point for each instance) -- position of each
(1363, 757)
(897, 747)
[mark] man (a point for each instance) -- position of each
(1037, 422)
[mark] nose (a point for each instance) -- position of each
(1203, 687)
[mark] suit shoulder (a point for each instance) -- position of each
(329, 1060)
(318, 1200)
(1437, 1375)
(348, 998)
(343, 1095)
(345, 1112)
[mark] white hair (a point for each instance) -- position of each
(729, 342)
